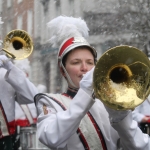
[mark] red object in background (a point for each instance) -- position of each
(148, 121)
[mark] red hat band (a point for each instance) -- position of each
(65, 45)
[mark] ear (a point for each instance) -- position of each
(62, 72)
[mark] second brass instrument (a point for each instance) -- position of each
(121, 78)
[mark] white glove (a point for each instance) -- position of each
(5, 62)
(116, 115)
(86, 83)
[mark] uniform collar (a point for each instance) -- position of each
(71, 92)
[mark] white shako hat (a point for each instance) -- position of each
(73, 43)
(68, 33)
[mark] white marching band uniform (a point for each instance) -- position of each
(11, 91)
(69, 124)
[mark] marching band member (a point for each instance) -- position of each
(75, 119)
(142, 115)
(11, 79)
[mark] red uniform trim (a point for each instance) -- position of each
(22, 123)
(35, 120)
(11, 126)
(4, 115)
(11, 129)
(98, 131)
(83, 140)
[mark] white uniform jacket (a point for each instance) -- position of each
(83, 123)
(13, 85)
(25, 89)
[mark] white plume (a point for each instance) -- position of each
(63, 27)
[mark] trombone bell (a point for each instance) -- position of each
(121, 78)
(18, 44)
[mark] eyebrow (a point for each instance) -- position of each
(80, 59)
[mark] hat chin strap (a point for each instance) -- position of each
(68, 77)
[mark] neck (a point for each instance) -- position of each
(72, 91)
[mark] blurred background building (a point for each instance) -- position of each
(111, 23)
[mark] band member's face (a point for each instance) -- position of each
(79, 61)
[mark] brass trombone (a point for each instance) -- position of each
(121, 78)
(17, 44)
